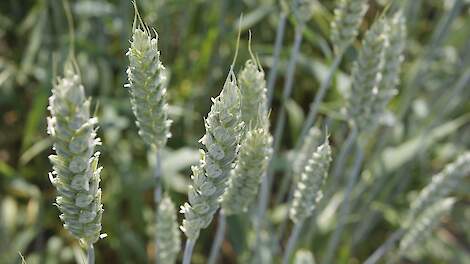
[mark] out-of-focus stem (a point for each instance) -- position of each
(267, 181)
(90, 254)
(158, 186)
(277, 52)
(158, 177)
(188, 251)
(346, 206)
(385, 247)
(219, 238)
(294, 236)
(315, 104)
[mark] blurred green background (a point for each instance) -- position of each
(429, 121)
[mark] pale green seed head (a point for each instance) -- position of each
(253, 157)
(304, 256)
(168, 235)
(303, 9)
(75, 174)
(422, 227)
(312, 141)
(439, 187)
(366, 77)
(223, 133)
(345, 26)
(393, 58)
(147, 86)
(394, 51)
(253, 91)
(308, 188)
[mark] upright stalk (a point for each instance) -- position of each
(157, 192)
(158, 177)
(90, 254)
(267, 181)
(219, 238)
(294, 236)
(309, 121)
(346, 206)
(188, 251)
(385, 247)
(277, 52)
(337, 170)
(315, 104)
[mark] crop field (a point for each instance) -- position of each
(235, 131)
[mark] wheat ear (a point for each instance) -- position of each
(76, 174)
(168, 235)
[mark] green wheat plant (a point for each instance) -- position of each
(348, 16)
(308, 191)
(343, 139)
(425, 210)
(147, 86)
(439, 187)
(303, 11)
(366, 77)
(223, 132)
(255, 149)
(422, 226)
(76, 174)
(168, 241)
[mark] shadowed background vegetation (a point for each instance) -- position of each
(429, 122)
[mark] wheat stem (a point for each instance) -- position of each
(385, 247)
(219, 238)
(267, 181)
(90, 254)
(158, 188)
(309, 121)
(345, 209)
(315, 105)
(294, 236)
(158, 177)
(277, 52)
(188, 251)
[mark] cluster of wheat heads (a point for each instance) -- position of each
(237, 144)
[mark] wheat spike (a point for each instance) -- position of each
(75, 174)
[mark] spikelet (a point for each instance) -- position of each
(253, 158)
(312, 140)
(308, 186)
(303, 256)
(147, 86)
(393, 58)
(303, 9)
(168, 235)
(422, 227)
(394, 51)
(253, 95)
(75, 174)
(348, 17)
(223, 130)
(439, 187)
(366, 76)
